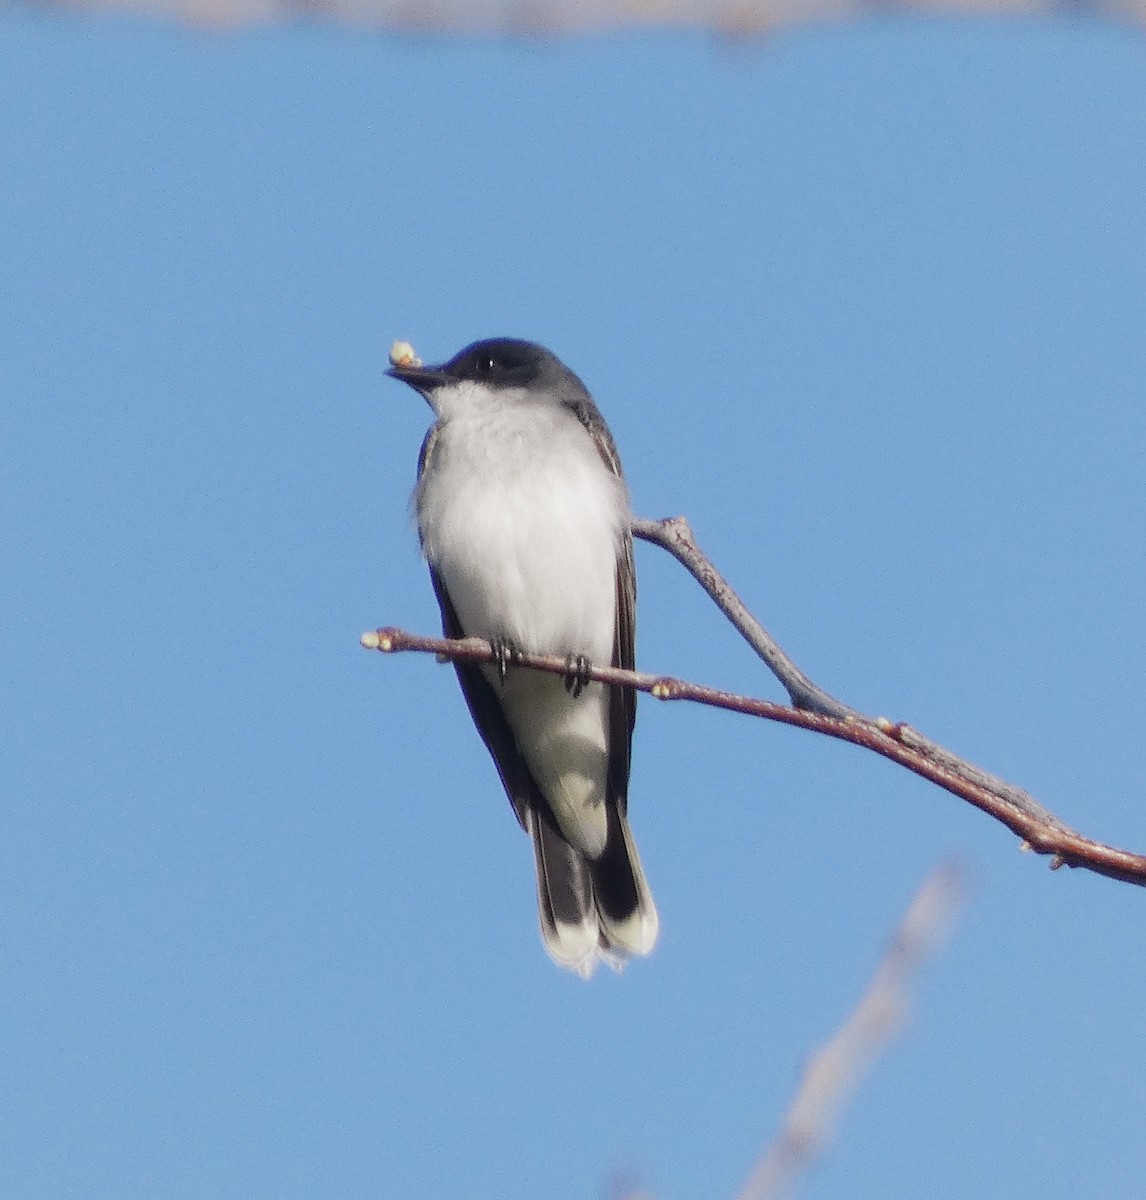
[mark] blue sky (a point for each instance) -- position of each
(864, 301)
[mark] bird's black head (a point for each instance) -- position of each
(501, 362)
(497, 363)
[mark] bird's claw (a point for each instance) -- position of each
(505, 654)
(577, 674)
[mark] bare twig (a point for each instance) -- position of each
(675, 535)
(834, 1070)
(813, 709)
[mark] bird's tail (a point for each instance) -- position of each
(592, 909)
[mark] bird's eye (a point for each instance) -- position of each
(485, 364)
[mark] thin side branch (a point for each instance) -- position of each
(835, 1069)
(879, 735)
(675, 535)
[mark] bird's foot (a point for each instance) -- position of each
(577, 668)
(505, 654)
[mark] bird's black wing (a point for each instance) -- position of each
(622, 701)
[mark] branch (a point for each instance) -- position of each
(814, 709)
(675, 535)
(834, 1070)
(880, 735)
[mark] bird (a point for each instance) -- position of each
(524, 521)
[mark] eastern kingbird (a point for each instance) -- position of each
(523, 516)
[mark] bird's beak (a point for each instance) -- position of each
(421, 379)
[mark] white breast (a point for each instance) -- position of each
(522, 519)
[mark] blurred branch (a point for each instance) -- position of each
(812, 709)
(563, 18)
(834, 1070)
